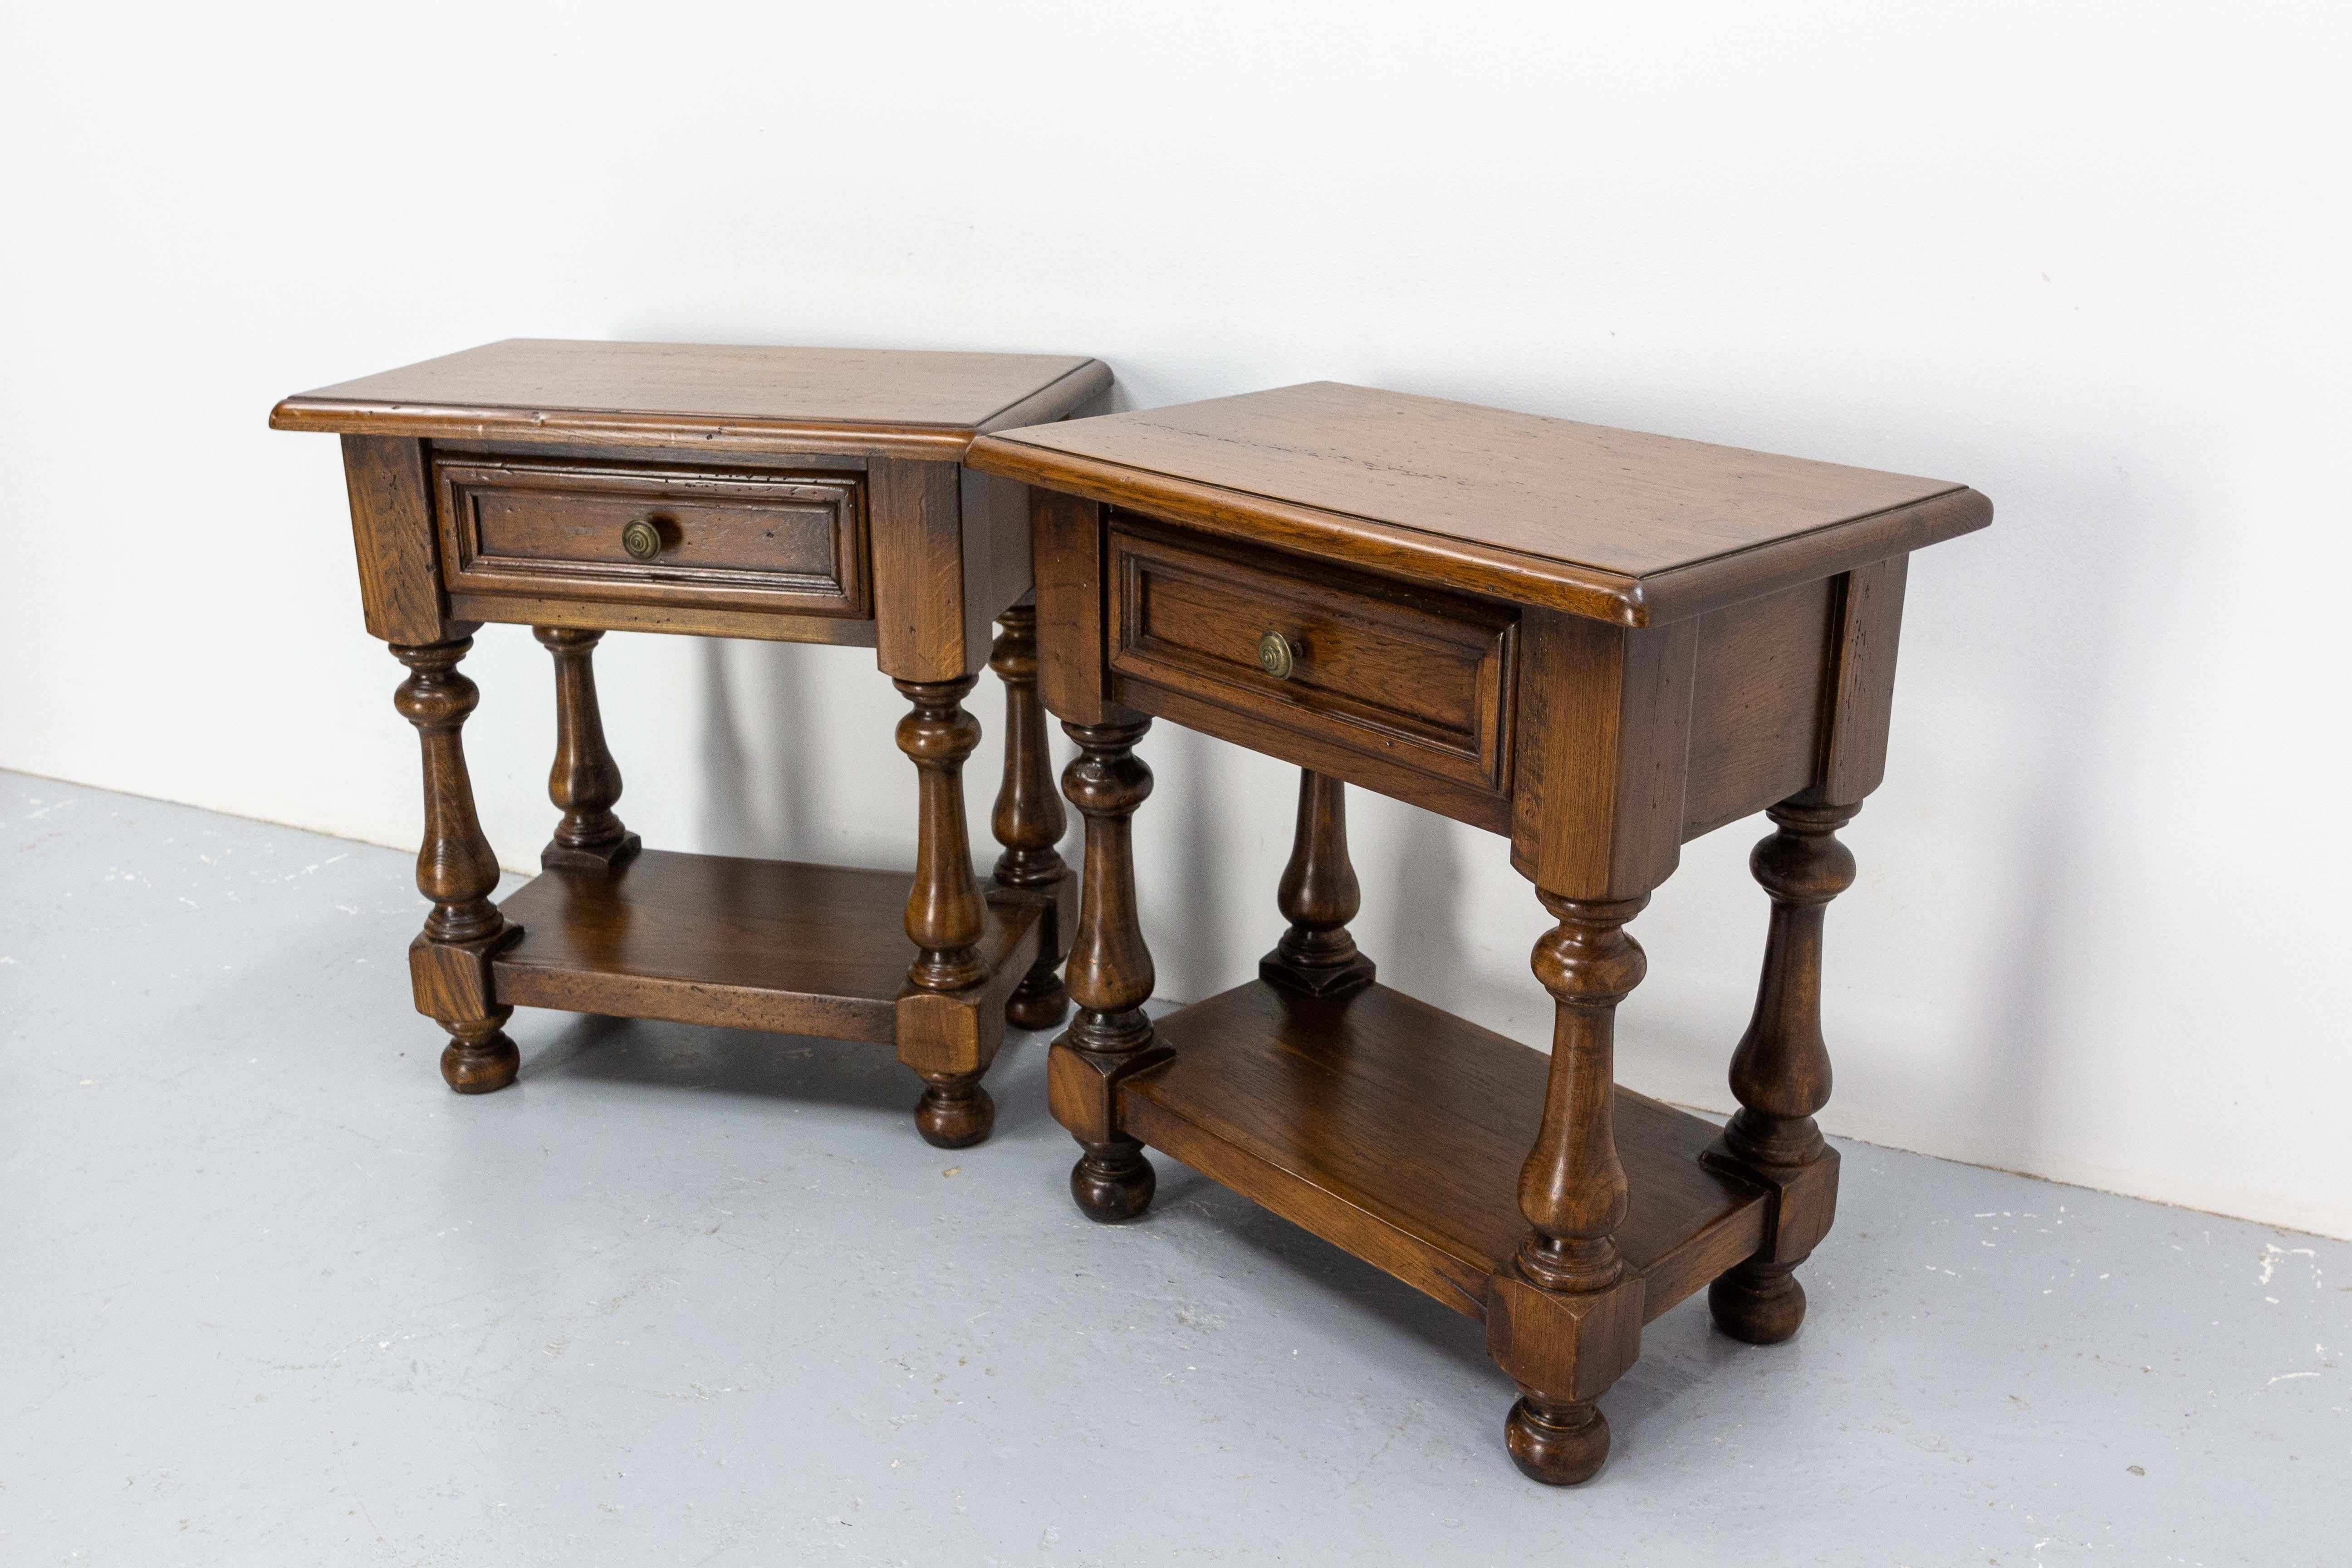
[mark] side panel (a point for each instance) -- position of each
(1066, 534)
(1604, 725)
(996, 555)
(918, 572)
(392, 528)
(1758, 703)
(1862, 694)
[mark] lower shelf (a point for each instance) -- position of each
(1396, 1131)
(750, 944)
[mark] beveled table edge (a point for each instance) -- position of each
(531, 424)
(1596, 594)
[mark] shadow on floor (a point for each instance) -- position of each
(802, 1069)
(855, 1076)
(1351, 1283)
(1647, 1397)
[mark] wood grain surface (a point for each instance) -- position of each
(1614, 525)
(875, 401)
(1418, 677)
(733, 539)
(1397, 1131)
(745, 944)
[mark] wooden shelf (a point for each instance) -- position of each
(1396, 1131)
(747, 945)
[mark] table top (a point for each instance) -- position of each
(1614, 523)
(902, 402)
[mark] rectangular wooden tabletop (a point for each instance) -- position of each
(1377, 478)
(904, 402)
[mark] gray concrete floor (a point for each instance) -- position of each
(684, 1296)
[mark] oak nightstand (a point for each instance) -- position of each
(1594, 644)
(798, 495)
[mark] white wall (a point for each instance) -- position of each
(2089, 259)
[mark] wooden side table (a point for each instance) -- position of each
(1594, 643)
(798, 495)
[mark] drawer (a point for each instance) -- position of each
(738, 539)
(1405, 675)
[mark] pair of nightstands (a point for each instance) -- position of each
(1595, 644)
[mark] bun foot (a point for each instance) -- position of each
(1762, 1305)
(954, 1114)
(1113, 1181)
(1037, 1006)
(1559, 1445)
(480, 1061)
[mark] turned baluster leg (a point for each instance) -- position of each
(1318, 896)
(1780, 1074)
(449, 961)
(1110, 977)
(1566, 1319)
(1028, 820)
(585, 782)
(945, 915)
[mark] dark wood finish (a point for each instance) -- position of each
(1863, 637)
(585, 782)
(1597, 643)
(735, 539)
(1781, 1071)
(801, 495)
(1083, 393)
(1780, 1074)
(1397, 1131)
(918, 613)
(711, 939)
(1272, 736)
(1072, 593)
(944, 906)
(509, 609)
(776, 945)
(998, 570)
(703, 458)
(705, 397)
(1318, 896)
(458, 871)
(1570, 1332)
(392, 527)
(1572, 1186)
(1619, 500)
(1028, 822)
(1756, 726)
(945, 913)
(1604, 737)
(1109, 975)
(1625, 527)
(1412, 678)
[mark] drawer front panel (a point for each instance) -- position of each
(1412, 677)
(741, 539)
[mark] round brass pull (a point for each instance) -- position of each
(643, 540)
(1278, 655)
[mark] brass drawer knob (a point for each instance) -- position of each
(643, 540)
(1278, 655)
